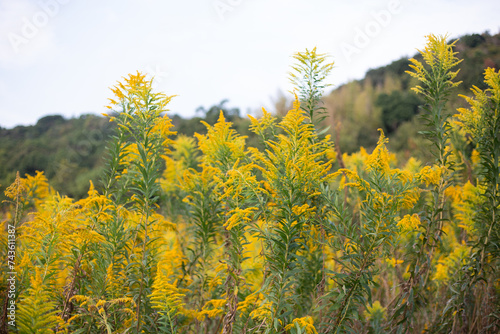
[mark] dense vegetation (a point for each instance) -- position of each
(208, 234)
(383, 99)
(70, 151)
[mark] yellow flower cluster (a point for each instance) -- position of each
(295, 151)
(184, 156)
(304, 323)
(37, 307)
(375, 311)
(96, 308)
(135, 95)
(239, 216)
(472, 119)
(212, 309)
(262, 313)
(250, 301)
(392, 262)
(409, 222)
(259, 126)
(166, 297)
(378, 163)
(221, 146)
(34, 187)
(410, 198)
(430, 175)
(380, 158)
(441, 58)
(447, 264)
(303, 209)
(465, 199)
(161, 128)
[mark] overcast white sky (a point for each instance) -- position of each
(61, 56)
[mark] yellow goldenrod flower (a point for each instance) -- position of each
(263, 312)
(380, 158)
(472, 119)
(250, 301)
(447, 264)
(304, 323)
(393, 262)
(212, 309)
(430, 175)
(409, 223)
(465, 199)
(375, 311)
(440, 57)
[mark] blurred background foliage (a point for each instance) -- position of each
(71, 151)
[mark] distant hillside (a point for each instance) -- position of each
(71, 151)
(383, 99)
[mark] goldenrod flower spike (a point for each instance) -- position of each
(473, 119)
(304, 323)
(441, 59)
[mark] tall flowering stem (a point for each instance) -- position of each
(481, 121)
(236, 186)
(293, 171)
(366, 234)
(436, 77)
(141, 121)
(308, 77)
